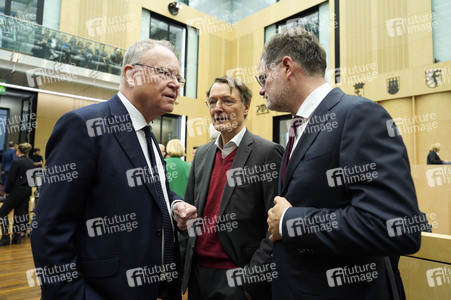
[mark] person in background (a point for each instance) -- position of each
(178, 170)
(345, 183)
(88, 54)
(116, 59)
(17, 193)
(63, 46)
(227, 195)
(52, 44)
(101, 56)
(42, 44)
(163, 151)
(37, 158)
(433, 158)
(8, 157)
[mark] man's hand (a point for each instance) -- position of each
(183, 212)
(274, 215)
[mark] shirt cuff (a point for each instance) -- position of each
(281, 221)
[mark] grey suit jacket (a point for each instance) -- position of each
(248, 194)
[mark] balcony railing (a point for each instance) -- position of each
(35, 40)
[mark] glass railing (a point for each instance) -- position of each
(33, 39)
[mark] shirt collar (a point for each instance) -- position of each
(313, 100)
(236, 140)
(136, 117)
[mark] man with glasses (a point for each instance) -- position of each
(232, 183)
(108, 232)
(346, 195)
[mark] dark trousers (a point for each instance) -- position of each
(170, 290)
(18, 200)
(212, 284)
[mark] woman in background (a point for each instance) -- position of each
(433, 158)
(178, 170)
(17, 193)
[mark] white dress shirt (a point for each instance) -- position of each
(232, 144)
(139, 123)
(305, 111)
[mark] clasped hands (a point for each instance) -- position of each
(274, 216)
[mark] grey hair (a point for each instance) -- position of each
(135, 52)
(301, 45)
(245, 92)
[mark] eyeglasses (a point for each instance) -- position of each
(165, 74)
(211, 103)
(261, 80)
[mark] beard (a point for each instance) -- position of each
(281, 99)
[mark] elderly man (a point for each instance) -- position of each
(232, 183)
(104, 224)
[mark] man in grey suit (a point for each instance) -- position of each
(232, 183)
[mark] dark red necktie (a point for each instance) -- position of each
(297, 121)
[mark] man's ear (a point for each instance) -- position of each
(128, 75)
(287, 65)
(246, 109)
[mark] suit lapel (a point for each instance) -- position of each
(206, 167)
(309, 135)
(128, 140)
(241, 156)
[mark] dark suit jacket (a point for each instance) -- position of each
(17, 174)
(8, 157)
(361, 208)
(434, 159)
(102, 155)
(247, 244)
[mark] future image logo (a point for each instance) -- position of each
(249, 175)
(251, 275)
(16, 123)
(208, 225)
(313, 224)
(109, 225)
(58, 73)
(52, 275)
(438, 176)
(108, 125)
(438, 276)
(111, 25)
(198, 126)
(52, 174)
(348, 175)
(412, 24)
(149, 275)
(349, 275)
(407, 125)
(407, 225)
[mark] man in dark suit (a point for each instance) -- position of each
(232, 183)
(104, 229)
(8, 157)
(347, 205)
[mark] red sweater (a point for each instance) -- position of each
(210, 253)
